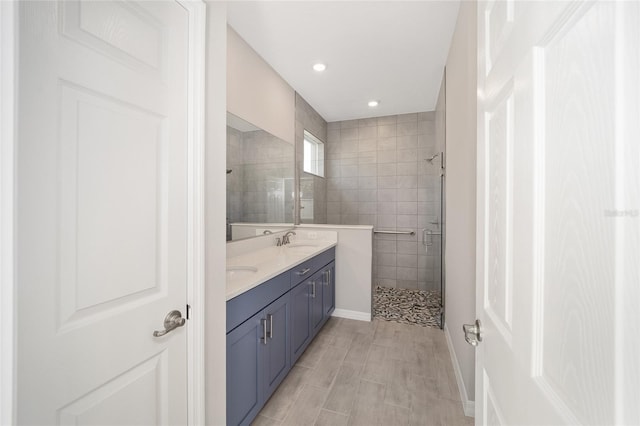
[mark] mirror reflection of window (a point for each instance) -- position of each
(313, 155)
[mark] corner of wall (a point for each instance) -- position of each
(215, 246)
(461, 137)
(9, 67)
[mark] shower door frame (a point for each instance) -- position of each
(443, 231)
(443, 210)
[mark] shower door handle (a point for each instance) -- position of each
(473, 333)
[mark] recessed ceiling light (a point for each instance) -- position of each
(319, 67)
(373, 104)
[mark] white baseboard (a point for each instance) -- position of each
(469, 407)
(354, 315)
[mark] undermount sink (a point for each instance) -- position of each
(302, 248)
(237, 272)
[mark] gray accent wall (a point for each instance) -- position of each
(377, 175)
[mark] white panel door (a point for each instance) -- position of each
(102, 212)
(558, 213)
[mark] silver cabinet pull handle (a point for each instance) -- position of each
(303, 272)
(264, 331)
(172, 321)
(313, 290)
(270, 319)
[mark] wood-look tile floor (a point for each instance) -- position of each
(377, 373)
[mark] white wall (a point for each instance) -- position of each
(215, 207)
(256, 93)
(354, 267)
(7, 196)
(461, 190)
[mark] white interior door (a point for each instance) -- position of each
(558, 217)
(102, 210)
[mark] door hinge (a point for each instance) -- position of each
(188, 311)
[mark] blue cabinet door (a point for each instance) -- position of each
(244, 381)
(277, 352)
(300, 319)
(317, 315)
(329, 289)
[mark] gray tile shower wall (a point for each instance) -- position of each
(261, 177)
(377, 175)
(236, 178)
(313, 189)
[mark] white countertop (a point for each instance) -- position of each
(254, 267)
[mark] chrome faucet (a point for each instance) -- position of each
(285, 237)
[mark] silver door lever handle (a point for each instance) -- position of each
(473, 333)
(172, 321)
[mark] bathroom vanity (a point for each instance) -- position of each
(278, 298)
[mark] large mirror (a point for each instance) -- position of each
(260, 181)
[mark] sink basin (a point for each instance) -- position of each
(302, 248)
(238, 272)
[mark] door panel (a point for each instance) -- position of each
(498, 294)
(577, 240)
(99, 136)
(554, 82)
(102, 211)
(135, 36)
(137, 386)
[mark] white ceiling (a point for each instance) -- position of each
(391, 51)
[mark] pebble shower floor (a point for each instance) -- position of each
(407, 306)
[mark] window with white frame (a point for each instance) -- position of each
(313, 155)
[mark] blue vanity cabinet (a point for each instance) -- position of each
(258, 348)
(258, 360)
(269, 327)
(244, 378)
(329, 289)
(300, 319)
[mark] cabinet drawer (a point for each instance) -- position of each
(311, 266)
(247, 304)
